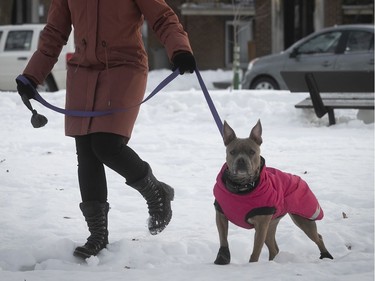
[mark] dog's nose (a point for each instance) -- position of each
(241, 164)
(241, 161)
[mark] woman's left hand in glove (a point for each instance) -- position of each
(184, 61)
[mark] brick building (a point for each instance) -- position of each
(261, 27)
(23, 11)
(270, 26)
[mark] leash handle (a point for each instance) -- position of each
(210, 103)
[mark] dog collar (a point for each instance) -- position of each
(238, 188)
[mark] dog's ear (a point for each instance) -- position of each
(256, 133)
(228, 134)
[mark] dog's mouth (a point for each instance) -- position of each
(241, 176)
(241, 172)
(241, 168)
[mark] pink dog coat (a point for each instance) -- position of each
(285, 192)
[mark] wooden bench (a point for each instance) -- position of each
(331, 90)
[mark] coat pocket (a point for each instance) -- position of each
(123, 56)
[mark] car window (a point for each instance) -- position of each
(19, 40)
(1, 34)
(359, 41)
(323, 43)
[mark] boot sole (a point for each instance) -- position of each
(80, 254)
(156, 231)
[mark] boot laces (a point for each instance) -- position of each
(155, 198)
(98, 230)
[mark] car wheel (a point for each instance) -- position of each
(264, 83)
(48, 85)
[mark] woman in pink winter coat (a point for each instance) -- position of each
(109, 71)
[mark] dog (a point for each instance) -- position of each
(251, 195)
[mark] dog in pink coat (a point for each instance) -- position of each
(251, 195)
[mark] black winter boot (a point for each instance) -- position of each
(158, 196)
(96, 216)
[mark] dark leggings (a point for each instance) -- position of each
(99, 149)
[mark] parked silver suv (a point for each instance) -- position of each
(17, 45)
(345, 47)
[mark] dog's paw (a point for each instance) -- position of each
(223, 256)
(326, 255)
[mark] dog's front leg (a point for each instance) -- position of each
(222, 228)
(261, 224)
(223, 256)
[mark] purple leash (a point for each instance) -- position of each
(210, 103)
(79, 113)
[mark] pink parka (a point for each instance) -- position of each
(285, 192)
(109, 67)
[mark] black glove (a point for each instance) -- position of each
(25, 86)
(184, 61)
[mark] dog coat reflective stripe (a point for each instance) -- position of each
(286, 192)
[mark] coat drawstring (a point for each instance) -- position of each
(104, 44)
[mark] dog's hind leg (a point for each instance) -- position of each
(270, 241)
(311, 230)
(223, 256)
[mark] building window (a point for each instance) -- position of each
(243, 31)
(358, 11)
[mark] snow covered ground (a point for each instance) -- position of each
(40, 222)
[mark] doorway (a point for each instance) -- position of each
(298, 20)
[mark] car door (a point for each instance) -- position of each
(358, 52)
(317, 53)
(15, 55)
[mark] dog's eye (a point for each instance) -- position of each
(232, 152)
(251, 152)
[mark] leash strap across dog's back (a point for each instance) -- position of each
(158, 88)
